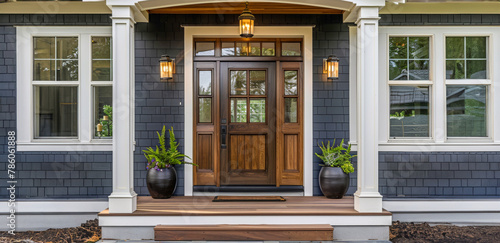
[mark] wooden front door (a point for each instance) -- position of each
(248, 123)
(248, 112)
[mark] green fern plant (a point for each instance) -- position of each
(336, 156)
(161, 157)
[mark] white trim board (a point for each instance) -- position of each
(56, 206)
(305, 32)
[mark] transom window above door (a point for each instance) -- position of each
(245, 48)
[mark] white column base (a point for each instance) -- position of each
(122, 203)
(368, 202)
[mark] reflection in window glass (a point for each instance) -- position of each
(291, 82)
(466, 111)
(257, 110)
(227, 48)
(466, 57)
(258, 82)
(205, 112)
(268, 49)
(409, 58)
(103, 112)
(205, 48)
(238, 82)
(409, 114)
(290, 110)
(55, 59)
(56, 111)
(290, 49)
(205, 83)
(238, 110)
(254, 49)
(241, 48)
(101, 59)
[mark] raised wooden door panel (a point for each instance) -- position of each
(248, 114)
(289, 134)
(206, 114)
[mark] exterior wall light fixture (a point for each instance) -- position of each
(246, 23)
(331, 67)
(167, 68)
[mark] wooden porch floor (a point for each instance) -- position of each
(203, 206)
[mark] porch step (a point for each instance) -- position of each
(294, 232)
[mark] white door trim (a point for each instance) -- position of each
(305, 32)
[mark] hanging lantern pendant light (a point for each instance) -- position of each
(246, 23)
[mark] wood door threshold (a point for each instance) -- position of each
(249, 189)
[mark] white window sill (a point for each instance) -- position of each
(436, 147)
(66, 146)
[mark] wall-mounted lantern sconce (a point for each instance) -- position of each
(167, 68)
(246, 23)
(331, 67)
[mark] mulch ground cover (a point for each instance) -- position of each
(399, 232)
(413, 233)
(88, 232)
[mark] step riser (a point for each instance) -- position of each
(263, 232)
(245, 235)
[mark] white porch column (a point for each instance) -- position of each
(367, 198)
(123, 199)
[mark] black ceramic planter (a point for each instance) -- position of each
(333, 182)
(161, 184)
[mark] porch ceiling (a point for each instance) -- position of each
(237, 8)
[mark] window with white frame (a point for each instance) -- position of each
(437, 87)
(65, 99)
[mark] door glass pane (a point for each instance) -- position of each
(258, 82)
(258, 110)
(205, 114)
(205, 48)
(291, 82)
(103, 111)
(238, 110)
(101, 59)
(205, 83)
(227, 48)
(290, 109)
(238, 82)
(409, 114)
(241, 48)
(290, 49)
(268, 49)
(254, 48)
(56, 111)
(466, 111)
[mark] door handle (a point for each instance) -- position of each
(223, 133)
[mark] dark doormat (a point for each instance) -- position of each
(248, 199)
